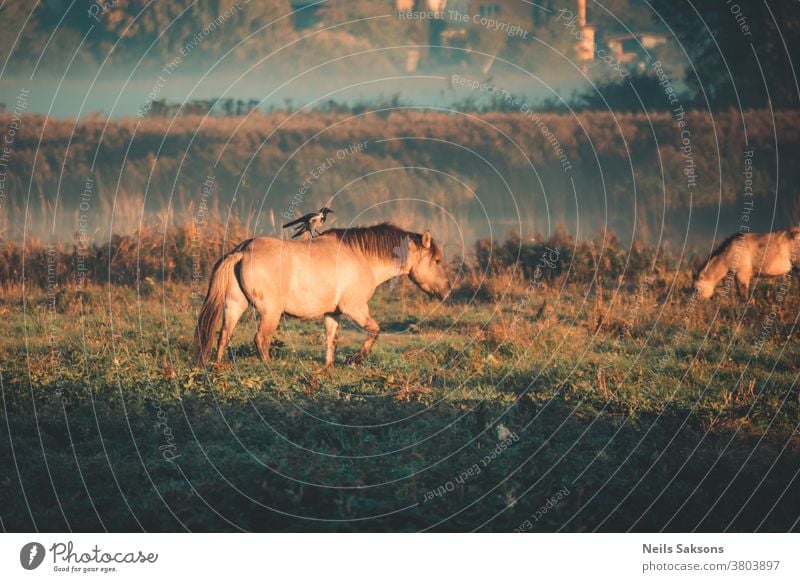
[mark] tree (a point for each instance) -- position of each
(729, 44)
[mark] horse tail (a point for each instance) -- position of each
(214, 303)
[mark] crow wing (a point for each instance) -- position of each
(305, 218)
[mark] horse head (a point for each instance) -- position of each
(703, 287)
(426, 267)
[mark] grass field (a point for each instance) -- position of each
(510, 407)
(107, 175)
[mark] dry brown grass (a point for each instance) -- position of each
(168, 159)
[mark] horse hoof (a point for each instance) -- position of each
(356, 359)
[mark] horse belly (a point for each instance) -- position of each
(776, 269)
(779, 264)
(310, 293)
(304, 299)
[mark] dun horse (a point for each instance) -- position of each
(332, 274)
(768, 254)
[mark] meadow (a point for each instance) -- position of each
(565, 386)
(489, 170)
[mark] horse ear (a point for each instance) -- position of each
(426, 239)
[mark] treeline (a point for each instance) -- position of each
(45, 34)
(230, 107)
(745, 66)
(130, 30)
(149, 34)
(637, 93)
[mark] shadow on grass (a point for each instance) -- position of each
(328, 462)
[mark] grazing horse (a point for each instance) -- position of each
(767, 254)
(332, 274)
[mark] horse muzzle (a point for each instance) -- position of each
(441, 296)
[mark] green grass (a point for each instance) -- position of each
(646, 421)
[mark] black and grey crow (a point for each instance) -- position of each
(310, 222)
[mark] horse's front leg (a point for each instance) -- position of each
(743, 288)
(331, 337)
(362, 317)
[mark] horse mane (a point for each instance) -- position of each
(721, 249)
(382, 241)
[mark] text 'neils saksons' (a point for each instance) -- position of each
(681, 549)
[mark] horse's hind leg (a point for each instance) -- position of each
(362, 317)
(234, 308)
(267, 324)
(331, 337)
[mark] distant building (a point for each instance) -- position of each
(434, 6)
(585, 48)
(454, 18)
(629, 47)
(483, 8)
(449, 24)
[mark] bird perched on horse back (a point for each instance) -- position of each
(310, 222)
